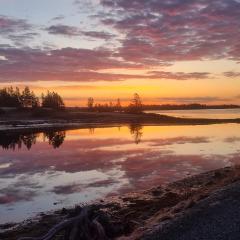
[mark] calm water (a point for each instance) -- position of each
(45, 171)
(203, 113)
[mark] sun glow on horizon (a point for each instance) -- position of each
(80, 56)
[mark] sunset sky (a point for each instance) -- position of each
(168, 51)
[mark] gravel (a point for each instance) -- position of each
(214, 218)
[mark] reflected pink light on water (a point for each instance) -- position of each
(54, 170)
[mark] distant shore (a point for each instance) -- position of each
(140, 212)
(42, 120)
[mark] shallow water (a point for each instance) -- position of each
(45, 171)
(201, 113)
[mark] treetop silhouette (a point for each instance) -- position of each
(10, 97)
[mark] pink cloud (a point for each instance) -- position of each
(151, 34)
(176, 30)
(83, 65)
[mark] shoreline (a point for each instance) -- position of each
(96, 120)
(139, 212)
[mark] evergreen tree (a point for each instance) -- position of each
(136, 104)
(52, 100)
(90, 103)
(28, 98)
(118, 105)
(10, 97)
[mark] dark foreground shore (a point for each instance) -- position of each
(215, 218)
(205, 206)
(28, 120)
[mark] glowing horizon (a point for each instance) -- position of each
(167, 51)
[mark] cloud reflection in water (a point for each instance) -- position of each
(38, 169)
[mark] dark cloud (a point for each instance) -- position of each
(179, 75)
(95, 34)
(58, 18)
(11, 25)
(71, 31)
(63, 30)
(232, 74)
(176, 30)
(16, 30)
(20, 39)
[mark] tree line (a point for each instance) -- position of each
(14, 97)
(135, 105)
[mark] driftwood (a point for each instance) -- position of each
(80, 227)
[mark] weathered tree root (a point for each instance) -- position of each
(80, 227)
